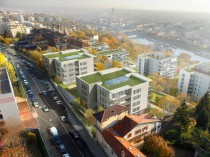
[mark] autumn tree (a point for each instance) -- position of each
(57, 79)
(116, 64)
(169, 103)
(158, 82)
(90, 119)
(155, 146)
(100, 108)
(100, 66)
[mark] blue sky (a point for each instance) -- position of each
(169, 5)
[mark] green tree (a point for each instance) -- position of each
(204, 102)
(203, 119)
(181, 115)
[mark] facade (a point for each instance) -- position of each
(115, 86)
(159, 62)
(68, 64)
(14, 28)
(117, 54)
(100, 47)
(8, 105)
(20, 18)
(195, 80)
(119, 134)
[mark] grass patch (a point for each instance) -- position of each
(22, 91)
(156, 96)
(73, 91)
(16, 89)
(156, 112)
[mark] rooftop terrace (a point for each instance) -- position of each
(132, 81)
(68, 56)
(111, 52)
(4, 82)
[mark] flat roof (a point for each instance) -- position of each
(79, 54)
(4, 82)
(112, 52)
(132, 81)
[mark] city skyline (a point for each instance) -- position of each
(162, 5)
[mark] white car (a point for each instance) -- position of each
(45, 109)
(63, 118)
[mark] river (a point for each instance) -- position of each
(177, 51)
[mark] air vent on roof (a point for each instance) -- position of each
(112, 111)
(138, 155)
(121, 140)
(130, 148)
(122, 154)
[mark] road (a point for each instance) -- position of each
(76, 148)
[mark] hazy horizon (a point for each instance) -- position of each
(161, 5)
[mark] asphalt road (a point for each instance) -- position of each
(76, 148)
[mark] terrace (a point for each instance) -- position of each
(132, 81)
(68, 56)
(111, 52)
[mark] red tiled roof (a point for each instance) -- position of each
(128, 123)
(109, 112)
(120, 145)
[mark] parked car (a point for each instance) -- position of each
(63, 118)
(44, 92)
(74, 134)
(56, 137)
(36, 104)
(59, 102)
(61, 107)
(45, 109)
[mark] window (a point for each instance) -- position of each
(137, 91)
(1, 116)
(129, 135)
(137, 131)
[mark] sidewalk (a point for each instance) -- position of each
(80, 128)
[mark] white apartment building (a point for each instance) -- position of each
(195, 80)
(115, 86)
(117, 54)
(158, 62)
(14, 28)
(8, 105)
(20, 18)
(68, 64)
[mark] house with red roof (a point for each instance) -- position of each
(119, 133)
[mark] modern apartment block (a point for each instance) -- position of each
(158, 62)
(13, 28)
(115, 86)
(8, 105)
(117, 54)
(195, 80)
(100, 47)
(68, 64)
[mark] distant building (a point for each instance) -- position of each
(14, 28)
(115, 86)
(31, 19)
(68, 64)
(99, 47)
(158, 62)
(116, 54)
(20, 18)
(119, 134)
(8, 105)
(195, 80)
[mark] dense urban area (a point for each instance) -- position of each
(104, 83)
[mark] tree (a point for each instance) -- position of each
(116, 64)
(181, 115)
(157, 147)
(84, 103)
(57, 79)
(100, 66)
(204, 102)
(169, 103)
(100, 108)
(89, 116)
(203, 119)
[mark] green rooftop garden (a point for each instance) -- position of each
(103, 78)
(61, 56)
(109, 52)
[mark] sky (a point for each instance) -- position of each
(164, 5)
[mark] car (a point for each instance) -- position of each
(61, 107)
(74, 134)
(63, 118)
(31, 96)
(45, 109)
(36, 104)
(55, 98)
(33, 99)
(27, 87)
(59, 102)
(44, 92)
(66, 155)
(62, 149)
(54, 132)
(44, 82)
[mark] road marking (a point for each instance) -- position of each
(45, 120)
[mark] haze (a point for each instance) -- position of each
(164, 5)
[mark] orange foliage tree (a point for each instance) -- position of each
(155, 146)
(100, 66)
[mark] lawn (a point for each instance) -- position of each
(155, 96)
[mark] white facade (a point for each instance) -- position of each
(158, 62)
(195, 80)
(70, 68)
(8, 105)
(20, 18)
(14, 28)
(135, 97)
